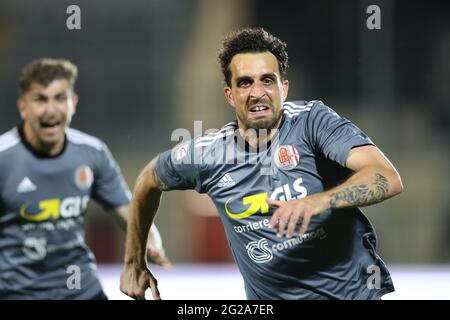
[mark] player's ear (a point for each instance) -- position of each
(74, 102)
(228, 95)
(21, 106)
(285, 89)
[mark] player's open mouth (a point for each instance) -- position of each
(50, 127)
(259, 109)
(50, 124)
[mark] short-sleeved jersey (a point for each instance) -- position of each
(336, 258)
(43, 200)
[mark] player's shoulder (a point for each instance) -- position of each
(80, 138)
(9, 139)
(209, 140)
(300, 108)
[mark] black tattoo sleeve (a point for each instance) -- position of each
(361, 195)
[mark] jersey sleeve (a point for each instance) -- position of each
(333, 135)
(178, 169)
(110, 188)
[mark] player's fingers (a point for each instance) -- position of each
(158, 257)
(273, 221)
(161, 259)
(152, 254)
(282, 221)
(292, 224)
(305, 223)
(139, 295)
(275, 216)
(165, 262)
(125, 291)
(141, 287)
(131, 287)
(154, 287)
(274, 203)
(135, 293)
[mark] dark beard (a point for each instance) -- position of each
(266, 124)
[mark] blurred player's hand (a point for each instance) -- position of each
(155, 250)
(287, 213)
(135, 280)
(158, 257)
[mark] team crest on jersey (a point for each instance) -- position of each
(286, 157)
(84, 177)
(181, 151)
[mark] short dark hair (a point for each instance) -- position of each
(251, 40)
(46, 70)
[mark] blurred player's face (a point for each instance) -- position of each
(46, 112)
(257, 91)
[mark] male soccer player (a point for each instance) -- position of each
(48, 173)
(311, 166)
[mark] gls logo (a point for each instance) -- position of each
(284, 193)
(55, 208)
(258, 202)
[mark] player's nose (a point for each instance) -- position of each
(51, 108)
(257, 90)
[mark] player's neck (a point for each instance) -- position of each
(258, 137)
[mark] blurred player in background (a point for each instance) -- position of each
(288, 199)
(48, 173)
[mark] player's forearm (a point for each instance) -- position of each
(144, 204)
(368, 186)
(120, 214)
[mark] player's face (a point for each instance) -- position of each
(257, 91)
(46, 112)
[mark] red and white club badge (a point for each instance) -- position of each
(286, 157)
(84, 177)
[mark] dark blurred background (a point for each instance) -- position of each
(149, 67)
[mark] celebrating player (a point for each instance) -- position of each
(287, 186)
(48, 173)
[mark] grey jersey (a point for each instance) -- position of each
(336, 258)
(42, 205)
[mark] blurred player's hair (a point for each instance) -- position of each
(251, 40)
(46, 70)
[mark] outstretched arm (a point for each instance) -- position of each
(374, 180)
(135, 277)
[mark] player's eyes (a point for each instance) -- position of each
(268, 81)
(244, 83)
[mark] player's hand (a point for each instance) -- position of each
(287, 213)
(134, 281)
(157, 256)
(155, 251)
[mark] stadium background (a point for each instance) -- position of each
(149, 67)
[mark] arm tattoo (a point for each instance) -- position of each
(161, 185)
(361, 195)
